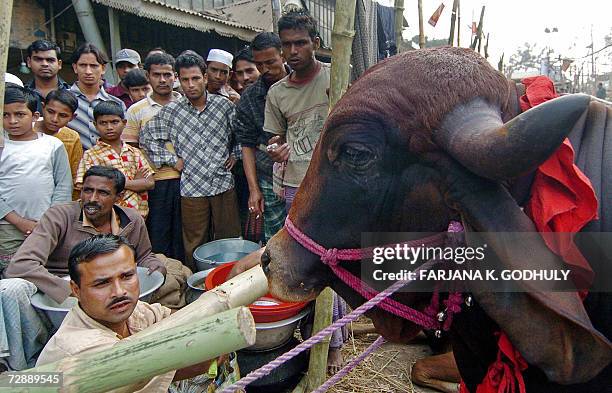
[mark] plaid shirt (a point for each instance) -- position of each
(128, 162)
(203, 139)
(249, 126)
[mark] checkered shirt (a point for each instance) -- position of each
(203, 139)
(128, 162)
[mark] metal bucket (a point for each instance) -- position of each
(196, 285)
(215, 253)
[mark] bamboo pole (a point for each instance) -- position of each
(399, 24)
(317, 369)
(6, 11)
(342, 43)
(135, 362)
(421, 27)
(478, 37)
(241, 290)
(451, 36)
(486, 48)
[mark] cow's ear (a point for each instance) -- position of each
(474, 134)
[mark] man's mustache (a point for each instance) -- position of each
(118, 300)
(92, 204)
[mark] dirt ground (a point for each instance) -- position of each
(387, 370)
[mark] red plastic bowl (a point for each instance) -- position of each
(266, 308)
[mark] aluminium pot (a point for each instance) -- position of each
(215, 253)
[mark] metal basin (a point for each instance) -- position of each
(196, 285)
(215, 253)
(271, 335)
(57, 311)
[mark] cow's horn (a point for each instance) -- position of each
(475, 135)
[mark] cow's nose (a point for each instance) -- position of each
(265, 262)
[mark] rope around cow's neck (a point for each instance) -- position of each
(330, 257)
(317, 338)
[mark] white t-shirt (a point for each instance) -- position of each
(33, 176)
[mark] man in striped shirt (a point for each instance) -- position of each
(164, 220)
(89, 63)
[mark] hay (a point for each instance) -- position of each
(383, 371)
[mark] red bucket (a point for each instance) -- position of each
(266, 308)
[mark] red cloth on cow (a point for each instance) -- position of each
(562, 197)
(562, 200)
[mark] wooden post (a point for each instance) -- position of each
(486, 48)
(399, 24)
(478, 37)
(6, 11)
(115, 38)
(241, 290)
(342, 43)
(317, 368)
(459, 23)
(421, 27)
(132, 361)
(451, 36)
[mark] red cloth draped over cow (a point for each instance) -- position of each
(562, 200)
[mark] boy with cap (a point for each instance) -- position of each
(219, 65)
(125, 61)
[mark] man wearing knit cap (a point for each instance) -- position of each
(125, 61)
(219, 64)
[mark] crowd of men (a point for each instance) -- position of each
(145, 170)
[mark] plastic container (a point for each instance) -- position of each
(266, 308)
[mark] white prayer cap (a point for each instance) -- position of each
(221, 56)
(10, 78)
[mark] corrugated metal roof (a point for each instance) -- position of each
(257, 12)
(164, 11)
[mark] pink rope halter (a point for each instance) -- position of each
(430, 319)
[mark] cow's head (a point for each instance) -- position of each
(371, 170)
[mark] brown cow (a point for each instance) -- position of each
(419, 141)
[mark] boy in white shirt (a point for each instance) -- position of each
(34, 172)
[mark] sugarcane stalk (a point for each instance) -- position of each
(241, 290)
(130, 364)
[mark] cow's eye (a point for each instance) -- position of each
(357, 155)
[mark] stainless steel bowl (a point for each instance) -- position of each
(271, 335)
(57, 311)
(196, 285)
(215, 253)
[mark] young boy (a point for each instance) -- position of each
(137, 84)
(109, 120)
(34, 172)
(58, 109)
